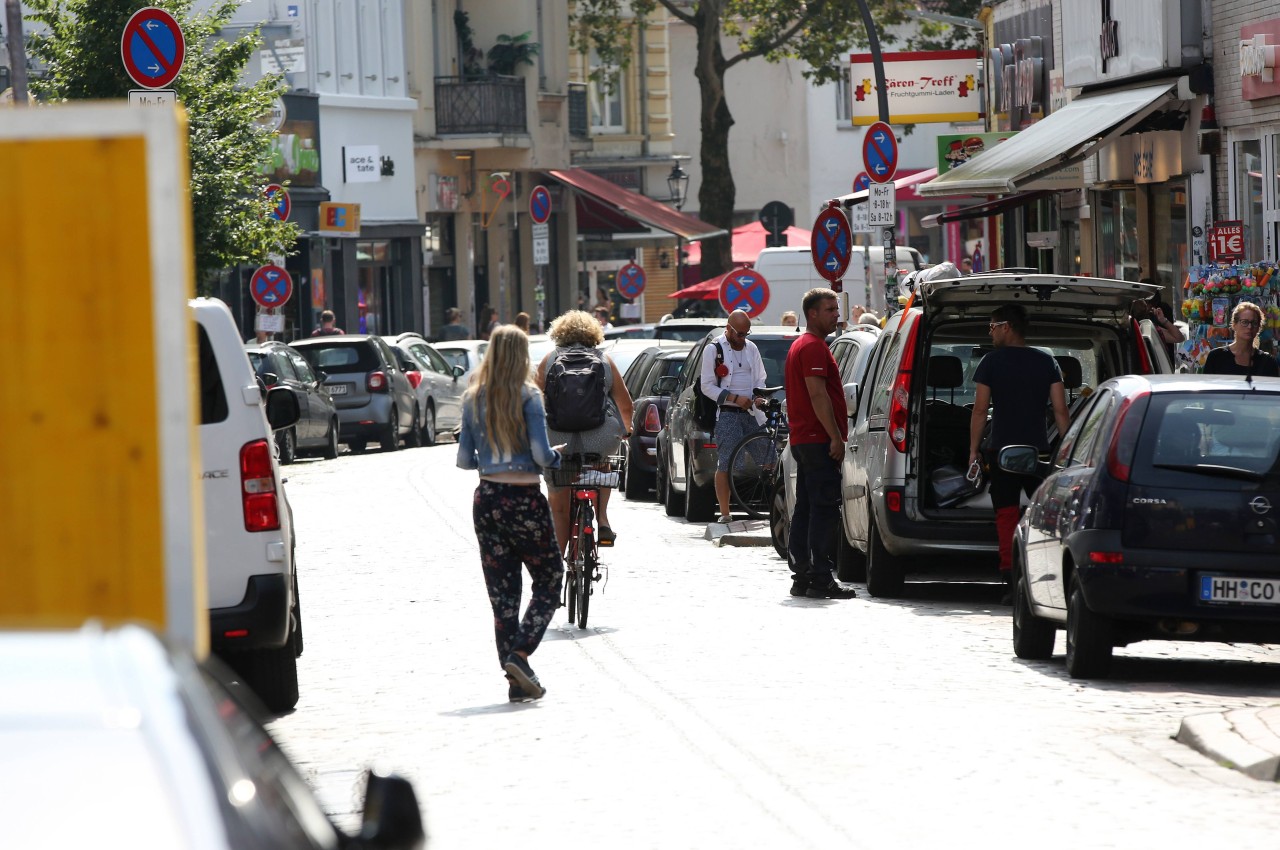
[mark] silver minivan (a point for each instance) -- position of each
(911, 420)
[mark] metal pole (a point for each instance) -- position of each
(17, 51)
(873, 38)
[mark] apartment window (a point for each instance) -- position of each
(606, 96)
(844, 97)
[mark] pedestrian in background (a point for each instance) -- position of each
(522, 321)
(789, 319)
(819, 422)
(453, 328)
(1018, 382)
(488, 321)
(327, 325)
(966, 266)
(731, 369)
(504, 437)
(1242, 355)
(602, 316)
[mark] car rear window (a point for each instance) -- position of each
(1191, 439)
(213, 394)
(335, 358)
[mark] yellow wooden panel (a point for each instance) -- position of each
(79, 450)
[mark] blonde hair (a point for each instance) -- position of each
(501, 379)
(576, 327)
(1244, 306)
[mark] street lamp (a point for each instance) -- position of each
(678, 183)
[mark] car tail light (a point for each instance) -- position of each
(1144, 357)
(1106, 557)
(258, 487)
(415, 378)
(900, 395)
(1124, 437)
(893, 501)
(652, 421)
(377, 382)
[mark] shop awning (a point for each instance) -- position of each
(854, 198)
(1066, 137)
(983, 210)
(625, 204)
(707, 290)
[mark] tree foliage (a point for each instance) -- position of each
(79, 43)
(818, 33)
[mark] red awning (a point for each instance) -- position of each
(748, 241)
(902, 187)
(633, 207)
(707, 290)
(983, 210)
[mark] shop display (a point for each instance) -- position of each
(1209, 294)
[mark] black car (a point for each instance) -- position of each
(650, 413)
(1159, 520)
(276, 364)
(686, 454)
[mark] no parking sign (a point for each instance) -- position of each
(630, 282)
(745, 290)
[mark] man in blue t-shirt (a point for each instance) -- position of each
(1019, 383)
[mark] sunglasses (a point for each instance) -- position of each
(996, 324)
(738, 332)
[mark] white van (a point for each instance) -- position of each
(255, 622)
(789, 272)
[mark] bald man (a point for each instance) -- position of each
(730, 387)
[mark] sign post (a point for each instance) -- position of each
(831, 245)
(630, 281)
(271, 286)
(540, 212)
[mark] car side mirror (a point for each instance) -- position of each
(270, 378)
(391, 817)
(457, 371)
(282, 408)
(1019, 460)
(321, 377)
(666, 385)
(851, 397)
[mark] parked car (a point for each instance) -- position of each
(852, 352)
(437, 383)
(641, 331)
(640, 451)
(466, 353)
(276, 364)
(374, 398)
(686, 454)
(540, 345)
(255, 618)
(147, 748)
(624, 352)
(912, 417)
(688, 330)
(1157, 521)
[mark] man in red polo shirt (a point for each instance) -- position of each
(819, 422)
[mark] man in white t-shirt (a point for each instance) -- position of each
(730, 384)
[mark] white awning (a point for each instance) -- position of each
(1065, 137)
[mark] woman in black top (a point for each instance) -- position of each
(1241, 356)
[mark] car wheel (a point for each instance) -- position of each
(390, 440)
(671, 501)
(637, 483)
(357, 447)
(851, 564)
(1033, 637)
(287, 443)
(884, 569)
(697, 501)
(1088, 638)
(413, 439)
(272, 674)
(297, 614)
(429, 434)
(779, 519)
(331, 448)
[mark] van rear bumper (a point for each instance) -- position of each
(902, 535)
(262, 616)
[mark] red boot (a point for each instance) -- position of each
(1006, 523)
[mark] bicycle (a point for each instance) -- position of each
(580, 474)
(755, 463)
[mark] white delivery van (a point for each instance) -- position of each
(789, 273)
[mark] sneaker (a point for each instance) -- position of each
(515, 693)
(835, 590)
(724, 519)
(799, 587)
(519, 669)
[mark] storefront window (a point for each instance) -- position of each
(1118, 234)
(1248, 166)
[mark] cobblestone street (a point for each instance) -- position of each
(705, 707)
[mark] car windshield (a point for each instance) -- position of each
(1217, 434)
(454, 357)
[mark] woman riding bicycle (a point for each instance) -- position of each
(504, 436)
(577, 332)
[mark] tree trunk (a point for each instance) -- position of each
(717, 194)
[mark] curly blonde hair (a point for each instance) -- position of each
(576, 327)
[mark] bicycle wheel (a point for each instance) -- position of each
(752, 465)
(584, 583)
(571, 590)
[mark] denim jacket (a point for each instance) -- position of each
(474, 451)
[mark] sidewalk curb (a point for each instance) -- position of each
(1245, 740)
(738, 533)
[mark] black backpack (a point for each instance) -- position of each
(704, 409)
(576, 390)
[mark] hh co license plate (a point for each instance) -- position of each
(1257, 591)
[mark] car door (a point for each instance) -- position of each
(681, 422)
(449, 387)
(319, 408)
(401, 389)
(287, 376)
(865, 452)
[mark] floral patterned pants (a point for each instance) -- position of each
(513, 528)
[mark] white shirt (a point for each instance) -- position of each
(746, 372)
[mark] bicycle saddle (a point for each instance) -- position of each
(767, 391)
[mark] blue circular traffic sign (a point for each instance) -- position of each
(630, 281)
(745, 290)
(861, 182)
(281, 204)
(152, 48)
(271, 286)
(540, 204)
(832, 244)
(880, 152)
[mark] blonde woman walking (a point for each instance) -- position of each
(504, 437)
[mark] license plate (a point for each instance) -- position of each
(336, 389)
(1253, 591)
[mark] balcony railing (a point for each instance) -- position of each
(579, 119)
(466, 106)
